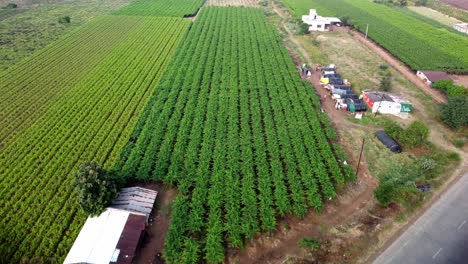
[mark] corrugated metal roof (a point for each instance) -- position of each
(434, 76)
(130, 238)
(136, 199)
(98, 238)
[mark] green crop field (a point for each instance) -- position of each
(234, 128)
(179, 8)
(418, 44)
(77, 100)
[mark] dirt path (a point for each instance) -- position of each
(290, 34)
(397, 64)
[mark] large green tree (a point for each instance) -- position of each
(95, 186)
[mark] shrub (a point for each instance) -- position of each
(11, 6)
(416, 134)
(310, 243)
(427, 164)
(96, 188)
(455, 112)
(386, 82)
(456, 90)
(393, 129)
(64, 20)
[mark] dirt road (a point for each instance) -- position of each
(396, 64)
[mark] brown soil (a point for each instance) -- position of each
(396, 64)
(159, 224)
(463, 4)
(459, 79)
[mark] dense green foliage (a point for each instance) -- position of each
(414, 135)
(64, 19)
(95, 187)
(236, 130)
(415, 42)
(77, 100)
(448, 87)
(455, 112)
(179, 8)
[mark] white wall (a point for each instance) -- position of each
(386, 107)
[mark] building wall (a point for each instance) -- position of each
(423, 77)
(386, 107)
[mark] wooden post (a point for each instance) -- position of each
(367, 30)
(360, 156)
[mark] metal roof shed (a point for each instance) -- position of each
(136, 200)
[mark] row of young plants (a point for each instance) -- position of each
(30, 87)
(166, 8)
(233, 127)
(415, 42)
(92, 120)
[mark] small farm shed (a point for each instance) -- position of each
(430, 77)
(319, 23)
(115, 235)
(386, 103)
(388, 141)
(462, 27)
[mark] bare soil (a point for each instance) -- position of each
(463, 4)
(460, 79)
(158, 224)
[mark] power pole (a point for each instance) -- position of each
(367, 30)
(360, 155)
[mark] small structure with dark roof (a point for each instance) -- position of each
(429, 77)
(115, 235)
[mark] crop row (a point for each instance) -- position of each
(179, 8)
(92, 120)
(31, 87)
(415, 42)
(235, 129)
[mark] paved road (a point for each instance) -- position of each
(440, 235)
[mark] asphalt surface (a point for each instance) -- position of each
(440, 235)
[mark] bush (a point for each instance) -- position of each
(416, 134)
(96, 188)
(64, 20)
(455, 90)
(393, 129)
(385, 193)
(455, 112)
(11, 6)
(420, 2)
(442, 84)
(386, 82)
(310, 243)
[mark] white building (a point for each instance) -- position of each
(115, 235)
(462, 27)
(319, 23)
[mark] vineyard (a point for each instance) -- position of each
(79, 99)
(234, 128)
(179, 8)
(249, 3)
(416, 43)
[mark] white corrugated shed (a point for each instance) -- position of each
(136, 199)
(98, 238)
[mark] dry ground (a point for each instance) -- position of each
(463, 4)
(434, 15)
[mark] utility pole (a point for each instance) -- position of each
(367, 30)
(360, 155)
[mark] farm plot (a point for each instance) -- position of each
(179, 8)
(248, 3)
(30, 87)
(235, 129)
(418, 44)
(92, 120)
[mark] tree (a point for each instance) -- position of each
(95, 186)
(64, 20)
(303, 29)
(455, 112)
(403, 2)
